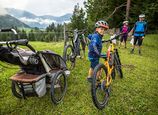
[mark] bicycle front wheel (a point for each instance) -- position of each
(100, 93)
(69, 57)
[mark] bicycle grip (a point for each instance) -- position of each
(8, 30)
(5, 30)
(19, 42)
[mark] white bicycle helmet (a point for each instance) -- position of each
(102, 23)
(142, 16)
(125, 22)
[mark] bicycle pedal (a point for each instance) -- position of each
(99, 85)
(57, 86)
(108, 90)
(48, 86)
(67, 72)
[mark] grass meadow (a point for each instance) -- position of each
(136, 93)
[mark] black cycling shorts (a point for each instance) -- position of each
(139, 39)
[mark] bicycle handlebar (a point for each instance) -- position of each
(82, 31)
(9, 30)
(23, 42)
(78, 31)
(115, 37)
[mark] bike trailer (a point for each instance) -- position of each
(33, 77)
(39, 70)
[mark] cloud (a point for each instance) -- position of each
(2, 11)
(43, 7)
(37, 20)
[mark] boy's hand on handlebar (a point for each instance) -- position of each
(102, 55)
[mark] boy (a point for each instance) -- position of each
(95, 46)
(139, 31)
(124, 30)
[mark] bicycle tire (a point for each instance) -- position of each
(97, 103)
(113, 74)
(118, 65)
(15, 87)
(69, 59)
(56, 84)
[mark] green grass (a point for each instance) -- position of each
(136, 93)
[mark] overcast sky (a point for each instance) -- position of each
(42, 7)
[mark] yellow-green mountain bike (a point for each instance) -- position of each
(104, 73)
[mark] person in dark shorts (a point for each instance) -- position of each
(124, 30)
(139, 31)
(95, 46)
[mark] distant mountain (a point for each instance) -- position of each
(7, 21)
(20, 13)
(37, 21)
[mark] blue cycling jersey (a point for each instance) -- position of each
(90, 36)
(95, 45)
(140, 28)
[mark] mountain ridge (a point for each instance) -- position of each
(7, 21)
(37, 21)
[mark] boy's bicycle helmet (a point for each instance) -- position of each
(142, 16)
(102, 23)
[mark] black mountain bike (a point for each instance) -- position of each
(75, 44)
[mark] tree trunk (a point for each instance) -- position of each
(127, 9)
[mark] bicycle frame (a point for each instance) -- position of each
(110, 68)
(110, 65)
(75, 40)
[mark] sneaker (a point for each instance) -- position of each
(89, 79)
(132, 51)
(57, 86)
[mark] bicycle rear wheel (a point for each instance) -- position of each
(118, 65)
(69, 57)
(100, 93)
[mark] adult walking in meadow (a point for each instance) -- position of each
(124, 30)
(139, 31)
